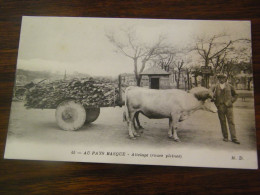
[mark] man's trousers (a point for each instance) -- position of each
(226, 113)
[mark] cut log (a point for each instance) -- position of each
(70, 115)
(90, 93)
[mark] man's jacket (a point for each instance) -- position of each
(226, 96)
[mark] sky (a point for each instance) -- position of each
(71, 44)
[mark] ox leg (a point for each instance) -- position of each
(138, 122)
(139, 127)
(173, 128)
(135, 123)
(170, 132)
(125, 118)
(135, 128)
(131, 130)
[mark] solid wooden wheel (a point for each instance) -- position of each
(92, 114)
(70, 115)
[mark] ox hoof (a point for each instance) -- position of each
(133, 138)
(177, 140)
(137, 135)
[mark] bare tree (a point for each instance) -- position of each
(182, 63)
(196, 71)
(212, 47)
(188, 71)
(179, 65)
(219, 62)
(164, 61)
(216, 50)
(139, 52)
(213, 50)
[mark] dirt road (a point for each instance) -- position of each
(202, 129)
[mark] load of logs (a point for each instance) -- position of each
(89, 92)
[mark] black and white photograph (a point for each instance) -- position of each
(134, 91)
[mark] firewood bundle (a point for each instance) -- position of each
(89, 92)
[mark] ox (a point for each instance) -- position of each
(174, 104)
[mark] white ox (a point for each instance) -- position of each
(174, 104)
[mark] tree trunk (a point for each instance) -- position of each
(248, 84)
(196, 80)
(178, 81)
(206, 62)
(136, 71)
(138, 80)
(188, 80)
(179, 76)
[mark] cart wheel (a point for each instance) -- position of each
(70, 115)
(92, 114)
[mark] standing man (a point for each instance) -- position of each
(225, 95)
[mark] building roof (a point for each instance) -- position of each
(154, 71)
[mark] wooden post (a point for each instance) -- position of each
(120, 90)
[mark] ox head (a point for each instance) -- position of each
(205, 96)
(208, 105)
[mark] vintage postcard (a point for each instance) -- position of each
(134, 91)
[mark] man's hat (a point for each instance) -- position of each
(221, 76)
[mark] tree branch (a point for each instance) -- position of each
(223, 49)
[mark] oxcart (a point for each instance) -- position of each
(77, 102)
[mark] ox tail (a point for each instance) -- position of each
(126, 113)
